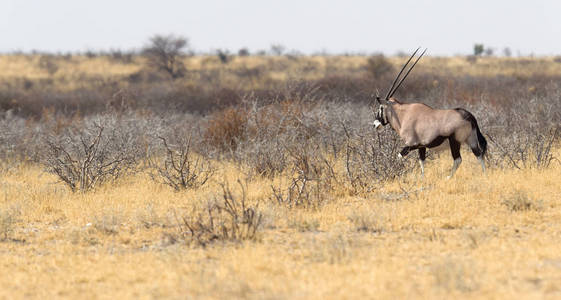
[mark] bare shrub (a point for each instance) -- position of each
(455, 275)
(248, 73)
(289, 134)
(223, 56)
(108, 223)
(125, 57)
(310, 179)
(472, 59)
(303, 224)
(164, 53)
(378, 66)
(226, 128)
(49, 64)
(478, 49)
(308, 160)
(277, 49)
(519, 201)
(243, 52)
(371, 157)
(20, 139)
(148, 217)
(181, 168)
(289, 137)
(304, 143)
(7, 222)
(12, 132)
(269, 131)
(531, 147)
(265, 157)
(489, 51)
(228, 219)
(366, 221)
(84, 157)
(299, 192)
(91, 54)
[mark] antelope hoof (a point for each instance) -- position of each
(399, 155)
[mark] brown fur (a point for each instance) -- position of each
(421, 126)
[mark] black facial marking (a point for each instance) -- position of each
(381, 116)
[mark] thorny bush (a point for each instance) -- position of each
(308, 130)
(86, 155)
(229, 219)
(370, 157)
(180, 166)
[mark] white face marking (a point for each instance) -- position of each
(377, 124)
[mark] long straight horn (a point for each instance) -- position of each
(397, 77)
(405, 76)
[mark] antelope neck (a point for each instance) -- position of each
(392, 115)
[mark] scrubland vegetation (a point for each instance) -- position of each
(243, 176)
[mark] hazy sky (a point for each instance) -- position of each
(446, 27)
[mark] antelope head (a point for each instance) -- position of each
(381, 112)
(381, 119)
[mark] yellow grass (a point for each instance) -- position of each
(78, 67)
(433, 238)
(28, 66)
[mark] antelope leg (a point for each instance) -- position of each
(482, 162)
(422, 156)
(455, 149)
(404, 152)
(457, 163)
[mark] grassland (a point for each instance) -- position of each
(74, 69)
(492, 236)
(264, 121)
(19, 65)
(32, 84)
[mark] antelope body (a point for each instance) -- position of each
(421, 126)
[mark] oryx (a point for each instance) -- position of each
(422, 127)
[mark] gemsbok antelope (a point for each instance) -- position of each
(421, 126)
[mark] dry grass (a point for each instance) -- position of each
(78, 67)
(17, 66)
(433, 238)
(492, 236)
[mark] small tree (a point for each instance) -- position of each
(164, 53)
(377, 65)
(223, 56)
(180, 167)
(48, 63)
(243, 52)
(85, 156)
(478, 49)
(277, 49)
(228, 219)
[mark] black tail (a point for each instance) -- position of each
(482, 142)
